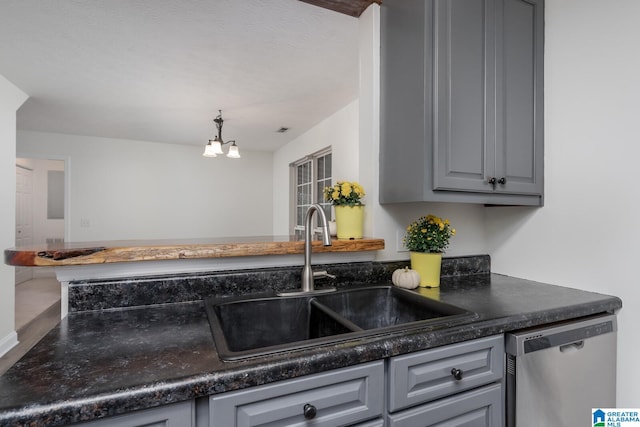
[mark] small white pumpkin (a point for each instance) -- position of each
(405, 278)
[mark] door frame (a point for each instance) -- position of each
(23, 274)
(67, 185)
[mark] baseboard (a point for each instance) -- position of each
(8, 342)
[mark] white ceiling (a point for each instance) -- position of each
(159, 70)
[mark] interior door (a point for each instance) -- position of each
(24, 217)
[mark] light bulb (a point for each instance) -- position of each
(208, 150)
(233, 152)
(216, 145)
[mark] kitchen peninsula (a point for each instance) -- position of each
(137, 347)
(104, 260)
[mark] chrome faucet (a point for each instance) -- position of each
(307, 271)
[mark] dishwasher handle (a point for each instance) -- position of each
(569, 348)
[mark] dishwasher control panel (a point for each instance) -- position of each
(530, 340)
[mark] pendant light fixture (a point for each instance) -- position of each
(214, 146)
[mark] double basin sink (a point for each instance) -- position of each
(251, 327)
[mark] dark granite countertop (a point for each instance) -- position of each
(102, 363)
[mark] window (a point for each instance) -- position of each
(309, 177)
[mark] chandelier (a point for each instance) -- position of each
(214, 146)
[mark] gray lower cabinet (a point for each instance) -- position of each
(455, 385)
(462, 101)
(478, 408)
(341, 397)
(374, 423)
(177, 414)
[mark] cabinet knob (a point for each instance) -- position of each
(502, 181)
(457, 373)
(492, 180)
(309, 411)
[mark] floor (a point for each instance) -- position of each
(37, 312)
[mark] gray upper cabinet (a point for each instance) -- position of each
(462, 101)
(464, 96)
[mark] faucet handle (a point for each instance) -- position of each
(323, 273)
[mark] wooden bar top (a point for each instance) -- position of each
(86, 253)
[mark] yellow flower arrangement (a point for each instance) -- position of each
(344, 193)
(429, 234)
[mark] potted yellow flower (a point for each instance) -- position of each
(427, 238)
(346, 198)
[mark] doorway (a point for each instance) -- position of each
(40, 208)
(40, 212)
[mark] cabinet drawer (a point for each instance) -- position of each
(176, 414)
(421, 377)
(378, 422)
(481, 407)
(341, 397)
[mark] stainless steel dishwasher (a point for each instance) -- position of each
(556, 375)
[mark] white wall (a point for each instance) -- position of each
(369, 114)
(141, 190)
(353, 133)
(340, 131)
(587, 234)
(10, 100)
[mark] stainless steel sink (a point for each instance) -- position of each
(250, 327)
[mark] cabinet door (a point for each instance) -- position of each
(457, 105)
(341, 397)
(478, 408)
(177, 414)
(417, 378)
(519, 132)
(374, 423)
(405, 108)
(464, 134)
